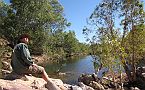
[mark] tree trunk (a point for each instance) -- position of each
(128, 72)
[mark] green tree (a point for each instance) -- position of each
(7, 22)
(109, 42)
(39, 18)
(106, 35)
(70, 43)
(133, 16)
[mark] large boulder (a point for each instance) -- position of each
(87, 78)
(90, 80)
(26, 83)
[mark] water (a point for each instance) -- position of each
(70, 69)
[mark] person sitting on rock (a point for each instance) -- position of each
(23, 64)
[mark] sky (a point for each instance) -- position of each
(76, 12)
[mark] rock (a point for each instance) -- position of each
(76, 88)
(143, 74)
(143, 69)
(86, 78)
(96, 86)
(61, 74)
(19, 84)
(3, 42)
(27, 83)
(5, 72)
(6, 66)
(85, 87)
(52, 86)
(134, 88)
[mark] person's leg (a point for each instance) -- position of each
(45, 76)
(50, 84)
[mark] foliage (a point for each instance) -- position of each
(70, 42)
(113, 43)
(106, 35)
(44, 20)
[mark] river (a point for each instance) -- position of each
(70, 69)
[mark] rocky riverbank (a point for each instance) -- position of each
(86, 82)
(17, 82)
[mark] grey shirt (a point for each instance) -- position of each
(21, 59)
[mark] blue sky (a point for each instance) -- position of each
(76, 12)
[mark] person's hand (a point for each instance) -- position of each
(34, 67)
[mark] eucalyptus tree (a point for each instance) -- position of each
(132, 15)
(117, 43)
(39, 18)
(105, 34)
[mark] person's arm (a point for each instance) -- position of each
(25, 55)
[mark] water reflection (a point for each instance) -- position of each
(70, 69)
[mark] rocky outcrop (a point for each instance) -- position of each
(91, 80)
(140, 80)
(28, 82)
(111, 84)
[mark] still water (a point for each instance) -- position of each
(70, 69)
